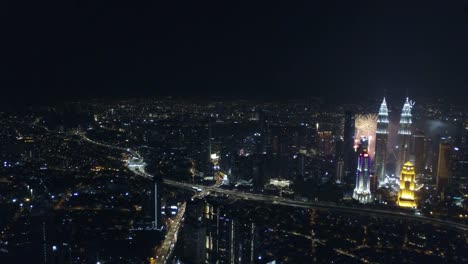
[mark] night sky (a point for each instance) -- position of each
(54, 50)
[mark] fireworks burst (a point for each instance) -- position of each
(366, 125)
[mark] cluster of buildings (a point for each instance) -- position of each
(219, 230)
(379, 164)
(368, 177)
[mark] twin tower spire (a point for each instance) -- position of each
(381, 144)
(405, 118)
(404, 138)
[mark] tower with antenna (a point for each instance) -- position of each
(362, 191)
(404, 134)
(381, 141)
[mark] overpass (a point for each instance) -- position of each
(269, 199)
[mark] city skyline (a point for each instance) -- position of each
(233, 132)
(204, 181)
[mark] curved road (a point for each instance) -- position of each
(320, 205)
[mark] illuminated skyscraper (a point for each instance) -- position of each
(381, 142)
(404, 134)
(407, 186)
(362, 190)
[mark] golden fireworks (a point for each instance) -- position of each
(366, 125)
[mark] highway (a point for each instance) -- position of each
(269, 199)
(319, 205)
(164, 252)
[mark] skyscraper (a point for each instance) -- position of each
(407, 186)
(381, 142)
(194, 234)
(404, 135)
(418, 151)
(339, 148)
(362, 190)
(156, 192)
(443, 166)
(348, 143)
(339, 170)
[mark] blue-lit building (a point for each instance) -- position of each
(362, 191)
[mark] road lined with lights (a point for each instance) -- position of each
(163, 253)
(295, 203)
(318, 205)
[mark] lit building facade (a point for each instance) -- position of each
(407, 186)
(404, 135)
(362, 191)
(381, 139)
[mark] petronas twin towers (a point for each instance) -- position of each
(404, 139)
(362, 190)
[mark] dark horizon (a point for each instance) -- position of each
(340, 51)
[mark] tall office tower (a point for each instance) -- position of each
(156, 192)
(444, 166)
(373, 183)
(194, 234)
(210, 138)
(339, 148)
(362, 190)
(407, 186)
(348, 143)
(460, 176)
(339, 171)
(380, 157)
(404, 135)
(418, 151)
